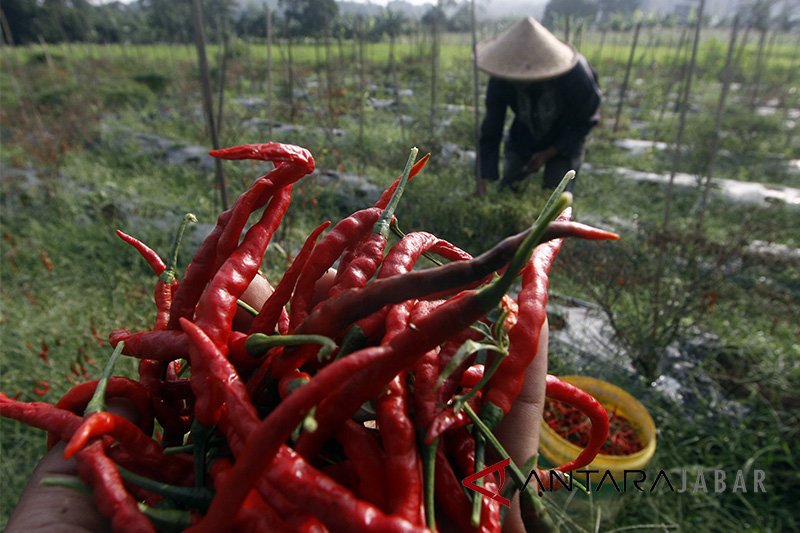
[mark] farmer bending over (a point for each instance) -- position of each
(553, 93)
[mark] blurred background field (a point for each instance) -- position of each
(696, 164)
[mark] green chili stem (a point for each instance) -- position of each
(167, 520)
(98, 401)
(309, 422)
(477, 498)
(67, 481)
(429, 469)
(201, 435)
(197, 498)
(487, 375)
(495, 291)
(176, 246)
(516, 474)
(381, 227)
(257, 344)
(353, 340)
(465, 350)
(187, 448)
(555, 196)
(247, 307)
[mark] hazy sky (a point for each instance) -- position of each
(384, 2)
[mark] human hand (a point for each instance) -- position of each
(518, 432)
(59, 508)
(539, 159)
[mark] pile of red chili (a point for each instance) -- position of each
(347, 401)
(571, 424)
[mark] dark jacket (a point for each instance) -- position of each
(557, 112)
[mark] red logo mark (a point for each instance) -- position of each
(500, 468)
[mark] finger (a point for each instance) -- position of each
(255, 295)
(57, 508)
(519, 429)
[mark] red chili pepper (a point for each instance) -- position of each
(403, 350)
(149, 255)
(403, 464)
(401, 258)
(110, 496)
(524, 336)
(347, 231)
(367, 372)
(448, 350)
(300, 483)
(217, 305)
(268, 316)
(240, 213)
(43, 353)
(472, 376)
(448, 420)
(257, 515)
(77, 398)
(165, 411)
(367, 254)
(324, 256)
(212, 378)
(374, 481)
(334, 315)
(463, 451)
(59, 422)
(202, 267)
(147, 452)
(383, 201)
(572, 395)
(166, 345)
(331, 503)
(42, 387)
(450, 495)
(297, 157)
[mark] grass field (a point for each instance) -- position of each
(73, 172)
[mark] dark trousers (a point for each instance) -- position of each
(554, 170)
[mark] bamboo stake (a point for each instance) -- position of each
(434, 67)
(656, 318)
(668, 88)
(676, 155)
(269, 72)
(8, 38)
(222, 73)
(362, 82)
(762, 39)
(208, 104)
(624, 89)
(599, 51)
(480, 188)
(290, 77)
(712, 156)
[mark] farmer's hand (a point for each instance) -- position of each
(539, 159)
(519, 429)
(60, 509)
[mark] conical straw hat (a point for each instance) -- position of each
(526, 51)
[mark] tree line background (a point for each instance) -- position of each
(165, 21)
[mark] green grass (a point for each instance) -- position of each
(94, 181)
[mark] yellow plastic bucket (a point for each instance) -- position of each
(557, 450)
